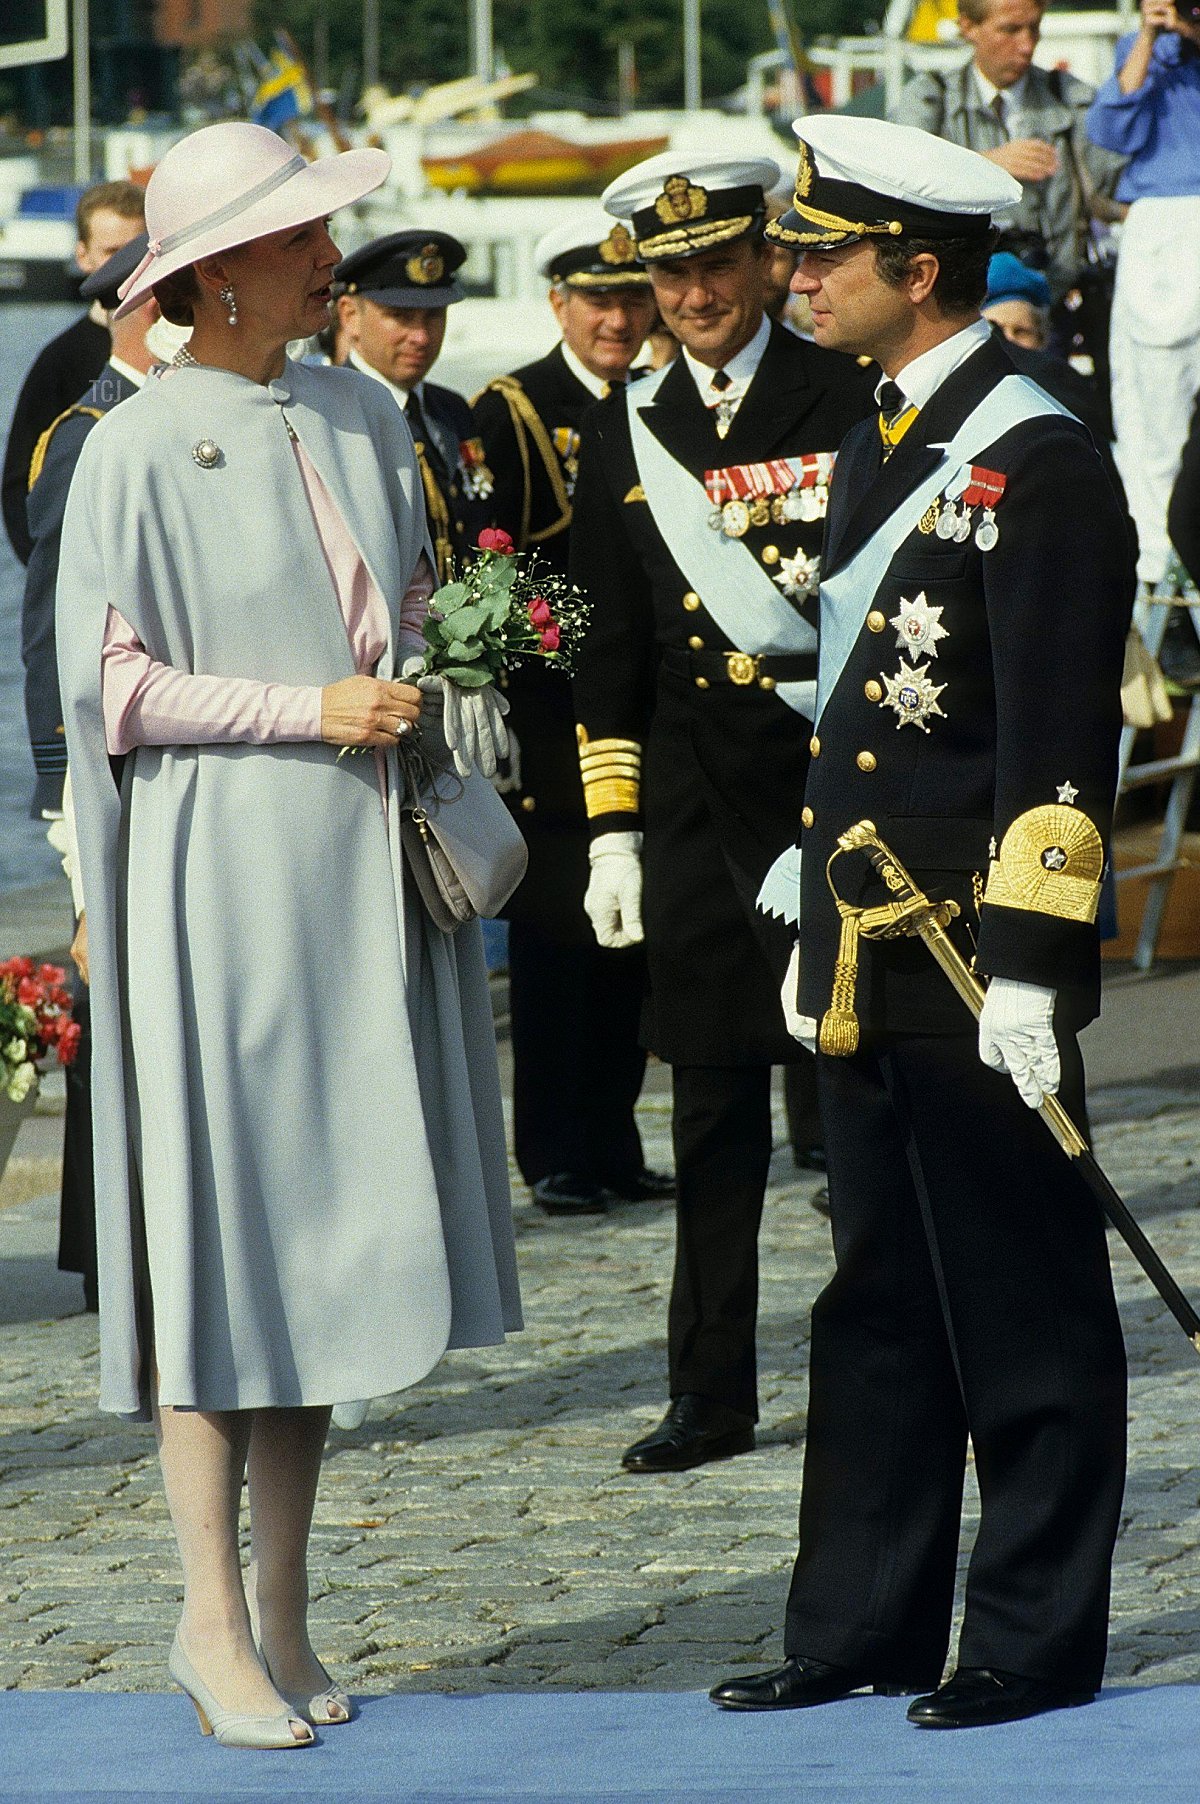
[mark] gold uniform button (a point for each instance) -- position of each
(766, 682)
(806, 817)
(866, 761)
(814, 746)
(701, 682)
(770, 554)
(876, 621)
(873, 691)
(691, 601)
(696, 643)
(529, 803)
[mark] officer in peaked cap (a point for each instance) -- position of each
(392, 301)
(698, 515)
(577, 1062)
(976, 587)
(53, 465)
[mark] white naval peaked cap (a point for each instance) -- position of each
(683, 202)
(868, 177)
(589, 250)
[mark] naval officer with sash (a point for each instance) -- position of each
(392, 299)
(698, 515)
(975, 594)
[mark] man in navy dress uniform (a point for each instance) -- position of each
(697, 525)
(976, 588)
(392, 299)
(575, 1005)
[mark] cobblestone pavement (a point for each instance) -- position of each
(478, 1531)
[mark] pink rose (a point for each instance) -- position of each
(551, 639)
(494, 538)
(539, 611)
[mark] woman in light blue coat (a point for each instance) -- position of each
(301, 1181)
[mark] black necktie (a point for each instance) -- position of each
(723, 410)
(721, 381)
(1000, 109)
(424, 439)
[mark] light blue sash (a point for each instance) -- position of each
(746, 604)
(847, 596)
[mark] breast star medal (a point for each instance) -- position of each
(206, 454)
(798, 575)
(918, 626)
(912, 696)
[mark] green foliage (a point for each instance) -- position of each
(572, 45)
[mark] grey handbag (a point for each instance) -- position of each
(465, 851)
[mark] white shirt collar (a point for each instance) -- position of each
(401, 394)
(919, 380)
(137, 377)
(1012, 97)
(595, 385)
(741, 369)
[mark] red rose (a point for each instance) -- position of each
(29, 992)
(539, 611)
(17, 967)
(551, 639)
(68, 1043)
(494, 538)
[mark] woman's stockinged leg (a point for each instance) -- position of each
(203, 1455)
(283, 1468)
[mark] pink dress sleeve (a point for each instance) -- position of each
(150, 703)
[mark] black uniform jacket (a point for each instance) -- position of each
(721, 760)
(53, 465)
(457, 492)
(529, 425)
(58, 376)
(1183, 518)
(1028, 676)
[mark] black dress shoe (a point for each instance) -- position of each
(644, 1186)
(798, 1684)
(976, 1696)
(570, 1193)
(694, 1430)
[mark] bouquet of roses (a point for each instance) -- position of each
(499, 612)
(35, 1016)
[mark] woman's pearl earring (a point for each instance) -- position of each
(229, 299)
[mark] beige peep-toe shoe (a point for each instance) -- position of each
(230, 1727)
(317, 1709)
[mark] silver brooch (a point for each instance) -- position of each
(206, 454)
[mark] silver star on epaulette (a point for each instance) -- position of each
(918, 626)
(1067, 793)
(798, 575)
(912, 695)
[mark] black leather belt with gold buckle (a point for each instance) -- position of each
(743, 669)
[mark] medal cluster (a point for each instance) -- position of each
(784, 490)
(973, 487)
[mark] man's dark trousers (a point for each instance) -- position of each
(972, 1296)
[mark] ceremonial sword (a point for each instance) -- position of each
(911, 913)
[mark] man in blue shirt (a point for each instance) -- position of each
(1149, 111)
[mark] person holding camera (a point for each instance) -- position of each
(1149, 112)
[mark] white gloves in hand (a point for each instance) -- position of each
(1016, 1034)
(801, 1027)
(613, 903)
(472, 719)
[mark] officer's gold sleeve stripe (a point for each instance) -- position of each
(1050, 862)
(610, 798)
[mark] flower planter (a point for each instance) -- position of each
(12, 1114)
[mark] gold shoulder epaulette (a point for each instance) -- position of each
(529, 425)
(1051, 861)
(38, 459)
(612, 774)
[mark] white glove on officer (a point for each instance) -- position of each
(1016, 1034)
(801, 1027)
(613, 903)
(472, 720)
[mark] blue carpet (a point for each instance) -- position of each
(609, 1748)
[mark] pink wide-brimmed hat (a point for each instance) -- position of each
(229, 183)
